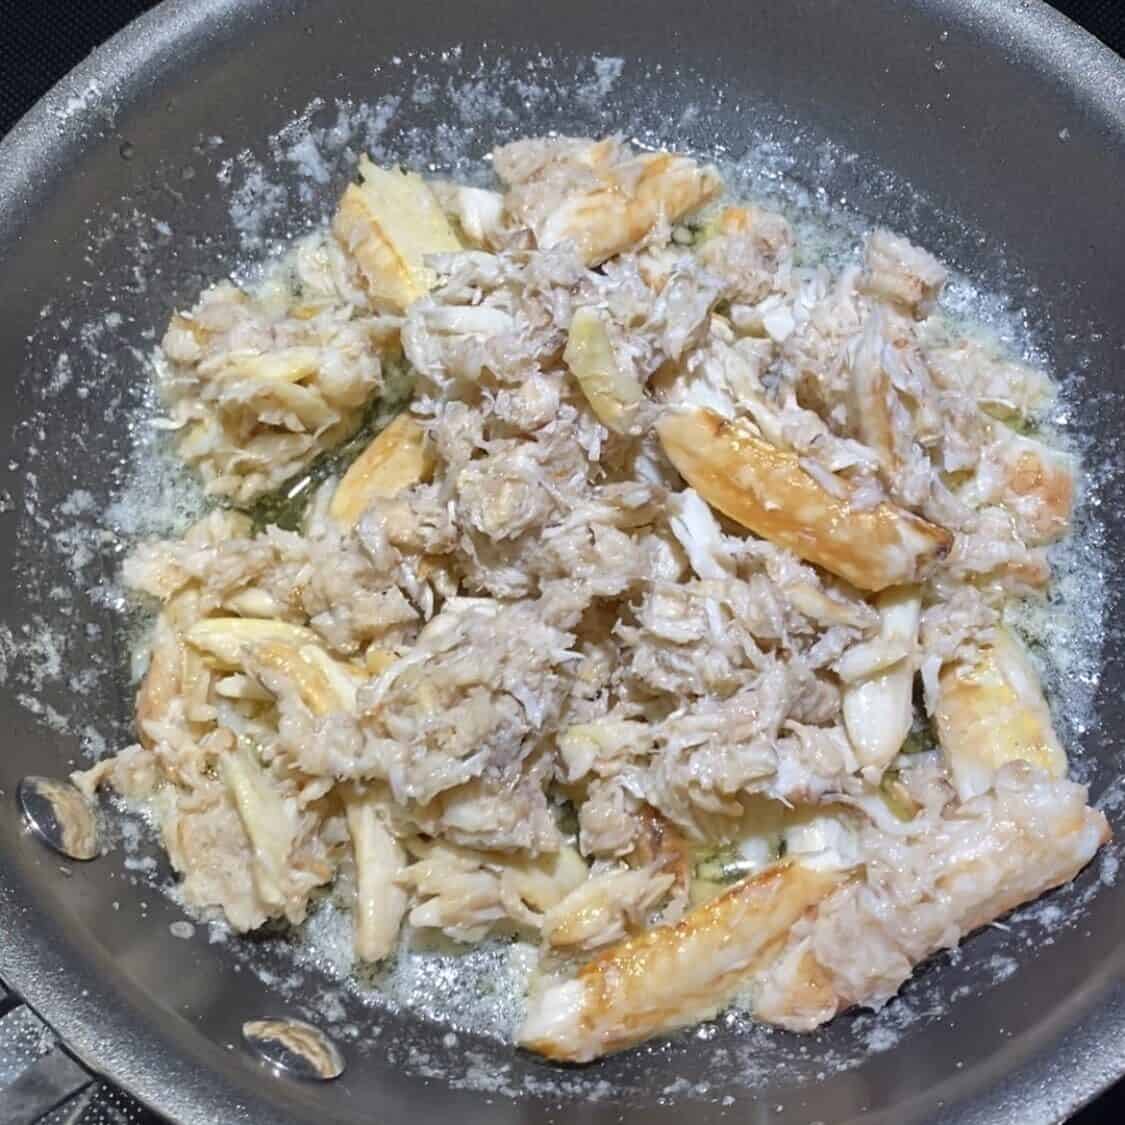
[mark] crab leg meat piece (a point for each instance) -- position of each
(670, 976)
(765, 489)
(991, 710)
(163, 680)
(390, 222)
(267, 817)
(871, 397)
(897, 271)
(1032, 481)
(380, 903)
(287, 365)
(291, 651)
(324, 685)
(395, 459)
(634, 197)
(225, 638)
(980, 860)
(878, 705)
(611, 393)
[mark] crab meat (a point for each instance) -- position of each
(1000, 387)
(990, 711)
(286, 365)
(378, 660)
(605, 908)
(747, 247)
(534, 887)
(924, 891)
(871, 402)
(670, 976)
(897, 271)
(390, 222)
(380, 903)
(464, 892)
(225, 639)
(257, 385)
(879, 688)
(325, 685)
(397, 458)
(276, 648)
(269, 820)
(478, 211)
(825, 610)
(698, 532)
(767, 491)
(1034, 483)
(609, 639)
(612, 394)
(822, 839)
(312, 685)
(252, 602)
(162, 682)
(604, 199)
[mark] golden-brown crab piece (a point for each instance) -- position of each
(390, 222)
(992, 711)
(670, 976)
(632, 197)
(395, 459)
(766, 489)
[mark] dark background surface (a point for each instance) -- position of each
(40, 40)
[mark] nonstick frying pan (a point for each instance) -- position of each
(990, 130)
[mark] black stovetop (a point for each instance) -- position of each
(43, 39)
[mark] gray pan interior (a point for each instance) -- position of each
(1016, 146)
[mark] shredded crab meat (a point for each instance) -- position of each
(599, 196)
(953, 868)
(257, 386)
(611, 639)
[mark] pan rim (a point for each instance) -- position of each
(1050, 1082)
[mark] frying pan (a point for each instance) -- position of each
(993, 132)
